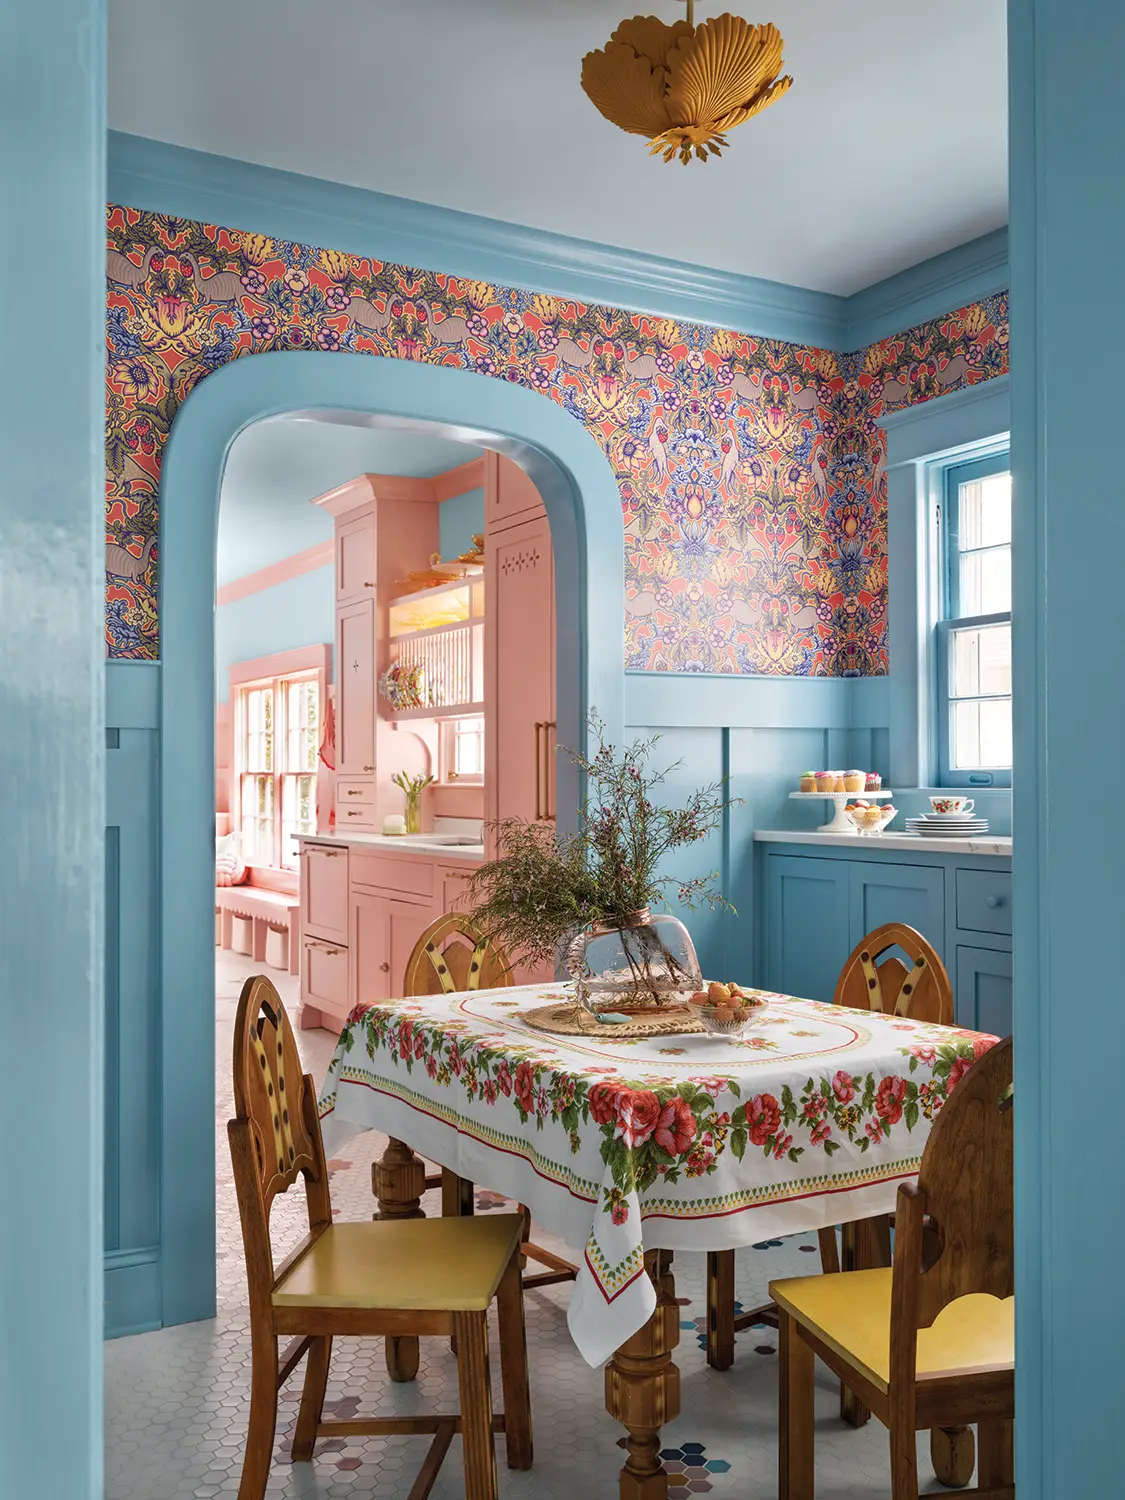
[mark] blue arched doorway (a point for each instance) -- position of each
(584, 509)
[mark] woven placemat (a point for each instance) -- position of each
(571, 1019)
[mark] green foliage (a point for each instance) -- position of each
(543, 886)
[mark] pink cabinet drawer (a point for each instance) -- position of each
(400, 875)
(324, 892)
(325, 977)
(454, 893)
(355, 816)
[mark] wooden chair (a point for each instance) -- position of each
(417, 1276)
(929, 1342)
(923, 993)
(454, 954)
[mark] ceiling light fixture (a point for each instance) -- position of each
(684, 86)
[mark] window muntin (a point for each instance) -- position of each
(462, 750)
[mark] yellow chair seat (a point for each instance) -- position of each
(422, 1265)
(851, 1313)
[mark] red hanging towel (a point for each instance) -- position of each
(326, 785)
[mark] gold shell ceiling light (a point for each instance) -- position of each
(684, 86)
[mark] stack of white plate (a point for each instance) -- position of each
(947, 825)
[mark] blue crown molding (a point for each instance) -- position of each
(212, 189)
(220, 190)
(927, 290)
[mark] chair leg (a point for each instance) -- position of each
(904, 1461)
(996, 1464)
(795, 1424)
(720, 1309)
(263, 1420)
(829, 1251)
(953, 1455)
(513, 1368)
(312, 1399)
(474, 1381)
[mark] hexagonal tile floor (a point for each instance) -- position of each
(177, 1400)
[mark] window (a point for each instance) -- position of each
(974, 635)
(462, 749)
(277, 739)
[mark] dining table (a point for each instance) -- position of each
(632, 1148)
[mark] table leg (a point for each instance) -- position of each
(953, 1455)
(642, 1387)
(398, 1180)
(720, 1309)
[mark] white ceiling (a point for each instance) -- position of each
(275, 468)
(890, 147)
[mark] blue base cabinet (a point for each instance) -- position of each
(818, 901)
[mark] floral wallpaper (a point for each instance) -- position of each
(750, 470)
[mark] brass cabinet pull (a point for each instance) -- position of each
(355, 791)
(386, 968)
(549, 729)
(369, 585)
(328, 853)
(322, 948)
(538, 771)
(354, 813)
(369, 768)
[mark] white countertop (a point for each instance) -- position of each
(431, 845)
(905, 843)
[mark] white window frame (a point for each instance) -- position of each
(448, 730)
(276, 673)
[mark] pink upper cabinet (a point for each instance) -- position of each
(509, 495)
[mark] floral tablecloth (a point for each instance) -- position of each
(673, 1142)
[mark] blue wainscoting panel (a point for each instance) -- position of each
(132, 1058)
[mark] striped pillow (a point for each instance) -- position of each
(230, 868)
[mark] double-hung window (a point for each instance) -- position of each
(277, 739)
(974, 635)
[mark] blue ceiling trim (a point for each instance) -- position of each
(220, 190)
(212, 189)
(928, 289)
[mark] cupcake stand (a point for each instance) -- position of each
(840, 823)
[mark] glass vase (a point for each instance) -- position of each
(644, 963)
(414, 811)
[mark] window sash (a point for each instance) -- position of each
(269, 837)
(948, 773)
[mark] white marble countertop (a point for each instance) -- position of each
(433, 846)
(905, 843)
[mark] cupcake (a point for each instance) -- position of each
(808, 781)
(855, 781)
(874, 782)
(825, 781)
(837, 782)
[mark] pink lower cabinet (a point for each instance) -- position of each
(325, 994)
(382, 934)
(324, 891)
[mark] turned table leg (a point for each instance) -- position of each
(953, 1455)
(398, 1180)
(642, 1387)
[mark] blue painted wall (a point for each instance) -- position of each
(299, 612)
(52, 538)
(458, 520)
(1068, 328)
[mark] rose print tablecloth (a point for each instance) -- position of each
(688, 1142)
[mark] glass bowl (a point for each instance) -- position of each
(856, 816)
(719, 1021)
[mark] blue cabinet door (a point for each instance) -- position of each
(984, 990)
(914, 894)
(807, 903)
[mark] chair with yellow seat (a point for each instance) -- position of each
(928, 1342)
(454, 954)
(873, 978)
(413, 1277)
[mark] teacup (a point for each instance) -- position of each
(946, 807)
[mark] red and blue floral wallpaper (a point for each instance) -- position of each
(751, 470)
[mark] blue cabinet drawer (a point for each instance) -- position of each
(984, 901)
